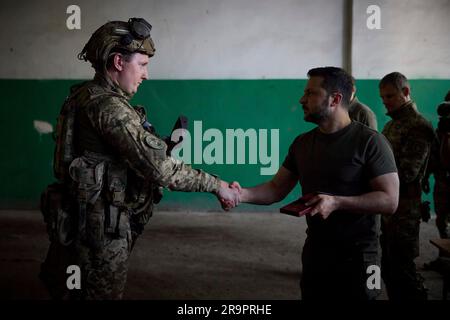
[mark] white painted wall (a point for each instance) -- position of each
(195, 39)
(223, 39)
(414, 39)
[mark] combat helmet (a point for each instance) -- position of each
(117, 36)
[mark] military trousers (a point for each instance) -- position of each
(103, 269)
(441, 197)
(400, 246)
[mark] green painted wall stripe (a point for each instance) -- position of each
(259, 104)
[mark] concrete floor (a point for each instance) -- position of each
(189, 255)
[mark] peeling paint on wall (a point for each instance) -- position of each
(42, 127)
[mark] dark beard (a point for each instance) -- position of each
(320, 115)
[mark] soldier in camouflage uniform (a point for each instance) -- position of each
(110, 166)
(359, 111)
(441, 195)
(411, 136)
(441, 171)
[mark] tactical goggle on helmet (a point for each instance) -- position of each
(138, 29)
(118, 36)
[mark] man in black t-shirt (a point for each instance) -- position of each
(352, 171)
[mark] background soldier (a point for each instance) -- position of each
(359, 111)
(411, 137)
(441, 194)
(441, 170)
(109, 167)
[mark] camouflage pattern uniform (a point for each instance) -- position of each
(411, 136)
(362, 113)
(117, 169)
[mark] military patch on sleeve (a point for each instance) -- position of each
(154, 142)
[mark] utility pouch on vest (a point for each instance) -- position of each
(111, 219)
(116, 185)
(58, 214)
(124, 229)
(88, 175)
(141, 198)
(95, 227)
(117, 222)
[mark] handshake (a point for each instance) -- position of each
(229, 195)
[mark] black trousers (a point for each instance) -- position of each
(337, 273)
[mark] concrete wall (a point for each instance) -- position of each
(210, 39)
(195, 39)
(413, 39)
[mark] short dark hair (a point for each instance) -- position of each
(127, 55)
(396, 79)
(334, 80)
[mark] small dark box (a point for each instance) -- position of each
(298, 207)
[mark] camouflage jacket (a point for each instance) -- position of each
(107, 124)
(362, 113)
(411, 137)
